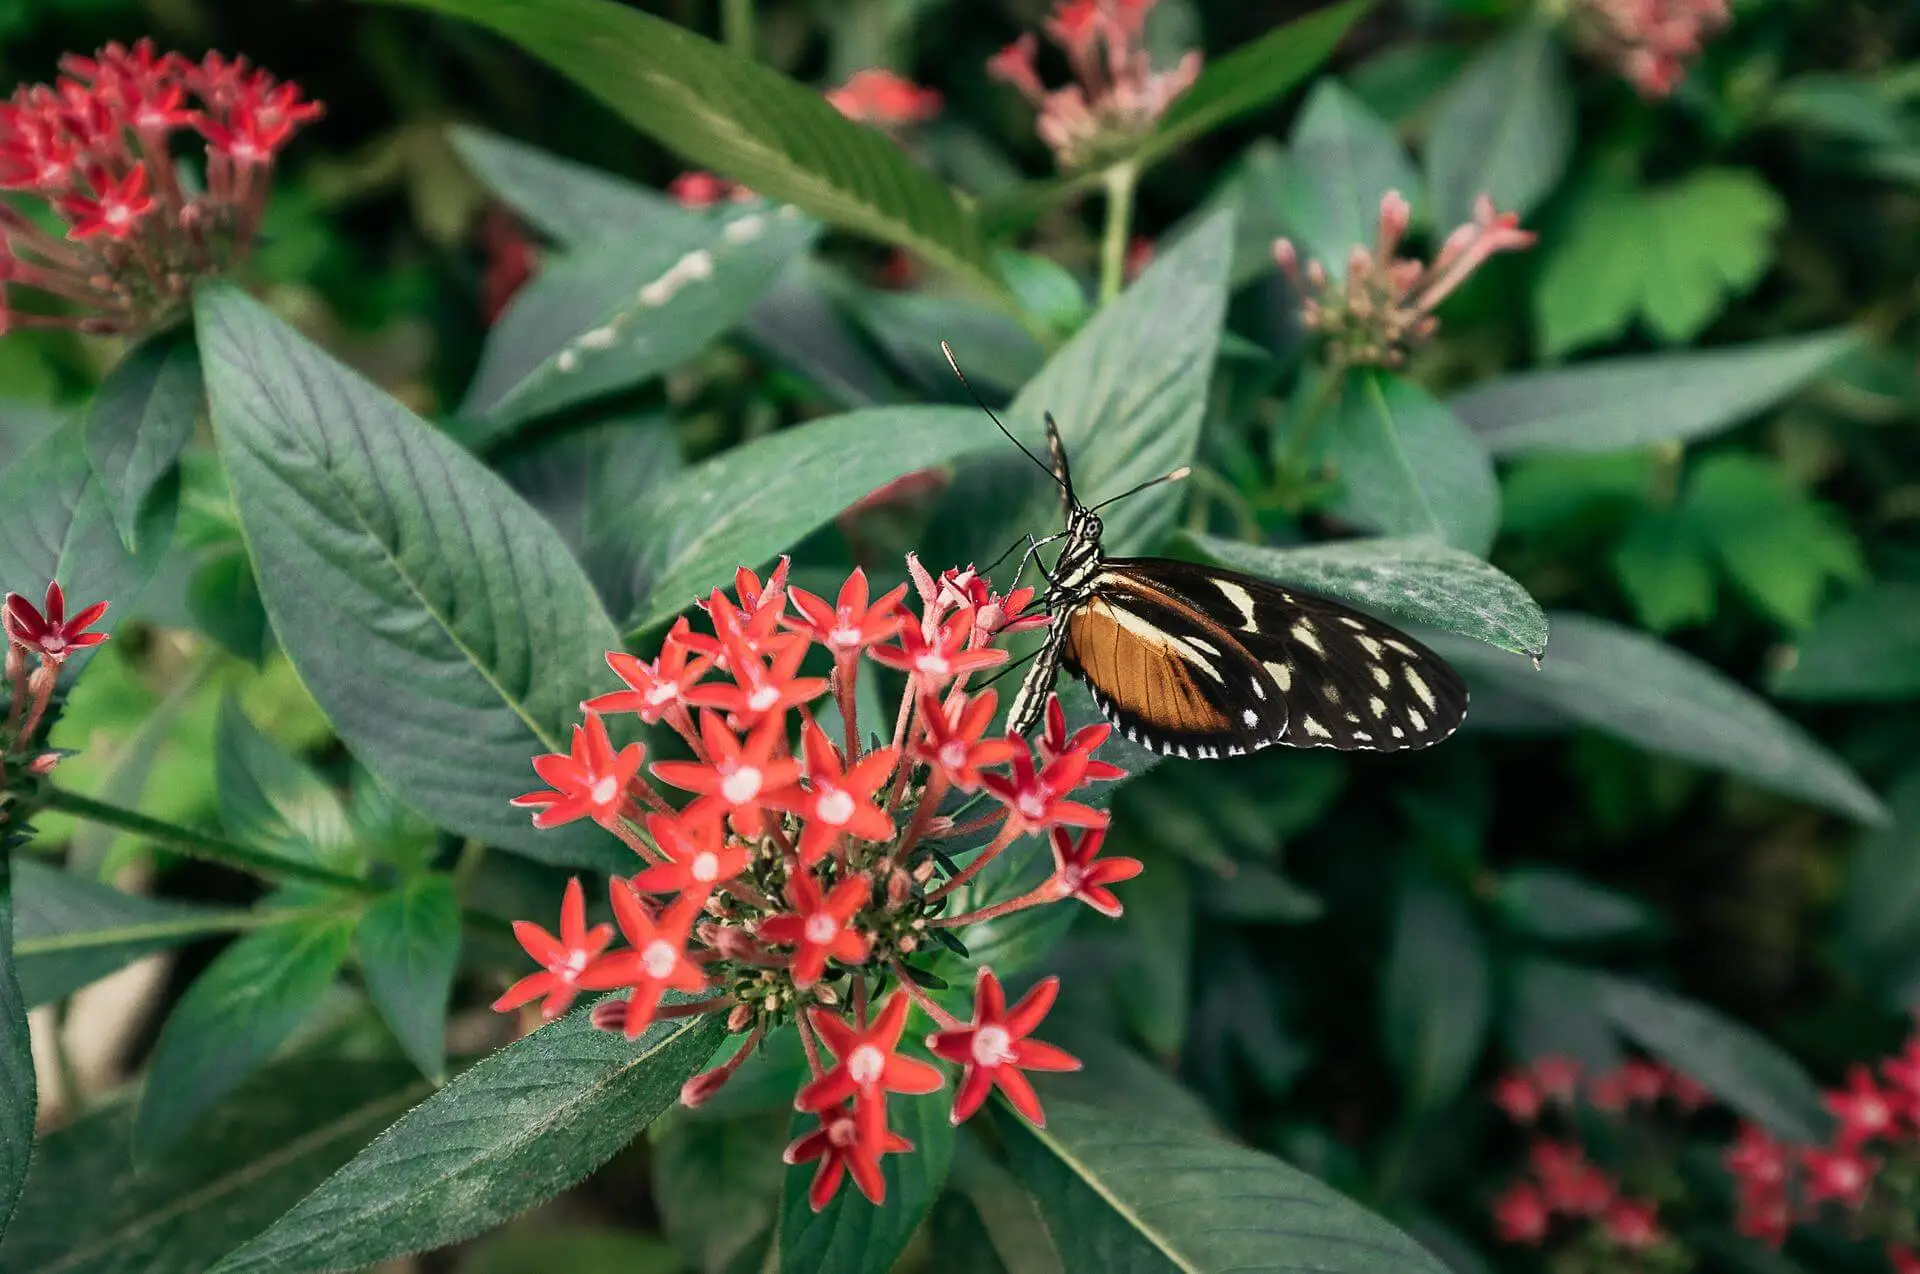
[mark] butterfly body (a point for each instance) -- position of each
(1202, 662)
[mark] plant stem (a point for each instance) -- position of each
(1119, 181)
(199, 844)
(156, 930)
(1300, 428)
(736, 25)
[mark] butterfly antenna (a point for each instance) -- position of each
(953, 363)
(1184, 471)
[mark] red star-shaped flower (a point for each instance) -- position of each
(818, 927)
(840, 1146)
(756, 618)
(654, 688)
(994, 1048)
(883, 98)
(1054, 742)
(1517, 1096)
(867, 1066)
(941, 658)
(1633, 1224)
(1902, 1074)
(658, 961)
(1756, 1159)
(765, 682)
(1904, 1260)
(850, 625)
(1842, 1174)
(1521, 1215)
(699, 857)
(564, 960)
(837, 801)
(115, 209)
(589, 782)
(1080, 872)
(49, 633)
(1863, 1109)
(951, 737)
(737, 778)
(1037, 799)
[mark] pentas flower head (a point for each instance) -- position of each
(1649, 43)
(1055, 743)
(564, 960)
(47, 632)
(1866, 1113)
(803, 874)
(1385, 305)
(98, 147)
(1633, 1224)
(1521, 1215)
(882, 98)
(1116, 98)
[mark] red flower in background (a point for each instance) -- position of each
(564, 960)
(699, 190)
(883, 98)
(993, 1049)
(1841, 1175)
(1864, 1111)
(510, 262)
(48, 632)
(1633, 1224)
(1521, 1215)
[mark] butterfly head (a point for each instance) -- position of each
(1080, 557)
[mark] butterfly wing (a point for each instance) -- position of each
(1063, 476)
(1342, 678)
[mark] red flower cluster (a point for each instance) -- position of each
(1649, 42)
(1385, 304)
(1564, 1197)
(796, 881)
(509, 259)
(1870, 1169)
(1117, 97)
(97, 146)
(47, 632)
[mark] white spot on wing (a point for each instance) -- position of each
(1371, 646)
(1420, 686)
(1242, 601)
(1377, 706)
(1419, 722)
(1303, 633)
(1282, 675)
(1381, 676)
(1250, 717)
(1315, 729)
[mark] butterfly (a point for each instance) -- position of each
(1200, 661)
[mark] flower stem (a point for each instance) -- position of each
(918, 995)
(1007, 836)
(199, 844)
(1119, 181)
(736, 25)
(157, 930)
(1032, 898)
(1300, 429)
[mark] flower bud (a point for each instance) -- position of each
(609, 1015)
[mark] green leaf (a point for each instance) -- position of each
(1780, 547)
(409, 943)
(1879, 922)
(621, 311)
(749, 503)
(69, 931)
(1618, 403)
(240, 1009)
(234, 1172)
(1665, 570)
(19, 1092)
(1119, 1196)
(1737, 1063)
(568, 202)
(722, 111)
(1251, 76)
(1343, 157)
(274, 801)
(1437, 998)
(1504, 129)
(1558, 906)
(799, 326)
(1654, 697)
(1554, 1010)
(1155, 933)
(537, 1248)
(1419, 580)
(853, 1236)
(1408, 467)
(1671, 256)
(440, 623)
(141, 418)
(997, 354)
(717, 1183)
(509, 1132)
(1861, 648)
(224, 600)
(56, 524)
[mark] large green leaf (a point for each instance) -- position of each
(1879, 921)
(1863, 648)
(409, 943)
(69, 930)
(1407, 466)
(1617, 403)
(1342, 158)
(717, 1182)
(1120, 1196)
(241, 1008)
(140, 419)
(56, 524)
(242, 1166)
(19, 1093)
(742, 119)
(441, 624)
(1551, 905)
(852, 1236)
(1420, 580)
(623, 310)
(749, 503)
(1737, 1063)
(571, 203)
(1437, 997)
(1504, 129)
(274, 801)
(509, 1132)
(1652, 696)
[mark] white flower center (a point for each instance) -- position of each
(706, 867)
(572, 967)
(992, 1046)
(844, 638)
(865, 1063)
(763, 698)
(662, 692)
(659, 958)
(1031, 806)
(741, 786)
(1071, 878)
(53, 643)
(953, 755)
(118, 214)
(843, 1132)
(934, 664)
(604, 791)
(822, 928)
(834, 807)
